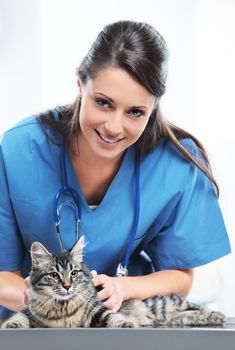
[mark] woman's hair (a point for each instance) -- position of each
(141, 51)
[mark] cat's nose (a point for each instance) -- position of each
(67, 286)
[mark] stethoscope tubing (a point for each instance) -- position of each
(137, 213)
(66, 189)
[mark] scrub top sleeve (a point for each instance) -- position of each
(195, 233)
(11, 246)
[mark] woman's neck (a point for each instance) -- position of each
(93, 173)
(82, 156)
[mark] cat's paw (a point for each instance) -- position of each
(216, 319)
(16, 321)
(12, 324)
(126, 324)
(175, 323)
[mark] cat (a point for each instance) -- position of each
(62, 295)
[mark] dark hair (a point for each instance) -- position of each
(140, 50)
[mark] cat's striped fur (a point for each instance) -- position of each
(62, 295)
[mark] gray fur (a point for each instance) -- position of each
(59, 299)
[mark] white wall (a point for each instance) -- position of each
(42, 42)
(215, 110)
(20, 86)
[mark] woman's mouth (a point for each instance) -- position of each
(105, 138)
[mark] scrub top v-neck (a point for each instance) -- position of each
(74, 181)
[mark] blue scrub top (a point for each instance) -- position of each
(180, 224)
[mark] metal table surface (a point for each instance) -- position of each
(116, 339)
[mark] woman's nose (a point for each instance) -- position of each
(113, 126)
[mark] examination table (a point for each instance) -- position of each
(120, 339)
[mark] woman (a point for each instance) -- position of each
(112, 132)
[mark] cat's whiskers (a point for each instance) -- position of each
(86, 300)
(39, 306)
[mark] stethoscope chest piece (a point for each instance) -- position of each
(121, 271)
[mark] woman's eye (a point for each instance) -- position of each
(55, 275)
(102, 103)
(136, 113)
(74, 273)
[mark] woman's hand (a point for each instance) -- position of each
(112, 291)
(117, 289)
(26, 291)
(12, 287)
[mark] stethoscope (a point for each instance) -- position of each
(76, 206)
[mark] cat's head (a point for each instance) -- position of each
(60, 276)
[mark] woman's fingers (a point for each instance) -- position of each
(113, 303)
(111, 292)
(106, 292)
(26, 291)
(27, 282)
(106, 283)
(100, 280)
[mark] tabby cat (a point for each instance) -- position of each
(62, 295)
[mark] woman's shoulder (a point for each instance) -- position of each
(167, 165)
(24, 133)
(167, 153)
(25, 127)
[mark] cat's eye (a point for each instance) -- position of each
(55, 275)
(74, 273)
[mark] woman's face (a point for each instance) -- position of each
(114, 112)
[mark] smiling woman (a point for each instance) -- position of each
(140, 172)
(110, 126)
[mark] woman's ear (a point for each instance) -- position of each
(79, 84)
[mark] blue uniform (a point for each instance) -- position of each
(180, 224)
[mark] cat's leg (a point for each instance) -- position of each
(163, 307)
(139, 312)
(118, 320)
(101, 317)
(195, 315)
(178, 303)
(197, 318)
(133, 314)
(18, 320)
(176, 311)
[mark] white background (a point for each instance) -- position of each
(43, 41)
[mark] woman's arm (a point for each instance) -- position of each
(12, 287)
(117, 289)
(158, 283)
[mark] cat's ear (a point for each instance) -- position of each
(39, 253)
(76, 251)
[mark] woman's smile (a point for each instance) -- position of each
(112, 119)
(111, 141)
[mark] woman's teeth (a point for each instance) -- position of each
(107, 139)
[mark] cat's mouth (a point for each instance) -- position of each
(65, 296)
